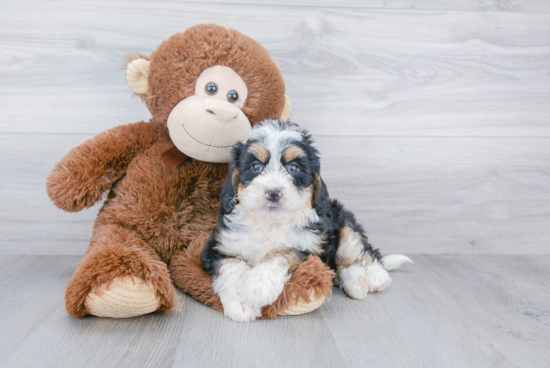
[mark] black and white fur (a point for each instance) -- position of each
(275, 212)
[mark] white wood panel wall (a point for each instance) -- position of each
(432, 116)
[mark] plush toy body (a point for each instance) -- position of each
(205, 88)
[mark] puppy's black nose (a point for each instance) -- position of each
(273, 195)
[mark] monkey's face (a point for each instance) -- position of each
(209, 85)
(206, 125)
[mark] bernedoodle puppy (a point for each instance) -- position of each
(275, 212)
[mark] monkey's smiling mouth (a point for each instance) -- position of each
(204, 144)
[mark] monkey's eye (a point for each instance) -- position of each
(211, 88)
(257, 167)
(232, 96)
(293, 168)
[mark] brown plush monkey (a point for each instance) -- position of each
(205, 88)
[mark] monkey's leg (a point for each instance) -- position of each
(188, 276)
(120, 276)
(309, 285)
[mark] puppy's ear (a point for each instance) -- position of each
(229, 189)
(320, 192)
(320, 195)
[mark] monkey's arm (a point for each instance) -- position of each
(85, 173)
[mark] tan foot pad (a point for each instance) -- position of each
(127, 296)
(301, 307)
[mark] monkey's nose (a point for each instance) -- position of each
(273, 195)
(222, 109)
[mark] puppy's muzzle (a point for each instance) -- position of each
(273, 195)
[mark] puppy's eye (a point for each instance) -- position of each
(257, 167)
(232, 96)
(293, 168)
(211, 88)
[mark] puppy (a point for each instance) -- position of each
(275, 212)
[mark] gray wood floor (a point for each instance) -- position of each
(443, 311)
(432, 117)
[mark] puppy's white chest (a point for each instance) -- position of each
(253, 243)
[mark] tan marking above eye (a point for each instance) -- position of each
(292, 153)
(260, 152)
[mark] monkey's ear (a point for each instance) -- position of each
(285, 116)
(320, 196)
(228, 197)
(137, 73)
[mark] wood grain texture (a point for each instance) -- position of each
(449, 311)
(537, 6)
(433, 124)
(422, 195)
(443, 311)
(29, 222)
(429, 195)
(348, 71)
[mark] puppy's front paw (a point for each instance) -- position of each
(265, 283)
(355, 282)
(241, 312)
(265, 294)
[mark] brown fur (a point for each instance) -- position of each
(235, 178)
(152, 215)
(311, 276)
(114, 252)
(309, 203)
(240, 188)
(187, 273)
(260, 152)
(292, 153)
(200, 47)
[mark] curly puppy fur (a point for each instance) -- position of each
(150, 214)
(276, 211)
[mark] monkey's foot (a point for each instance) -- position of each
(301, 307)
(124, 297)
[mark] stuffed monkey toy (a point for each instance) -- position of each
(205, 88)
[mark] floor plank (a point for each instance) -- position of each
(31, 290)
(452, 311)
(33, 318)
(447, 311)
(211, 340)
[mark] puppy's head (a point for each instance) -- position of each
(276, 174)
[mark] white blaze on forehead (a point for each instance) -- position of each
(271, 133)
(275, 137)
